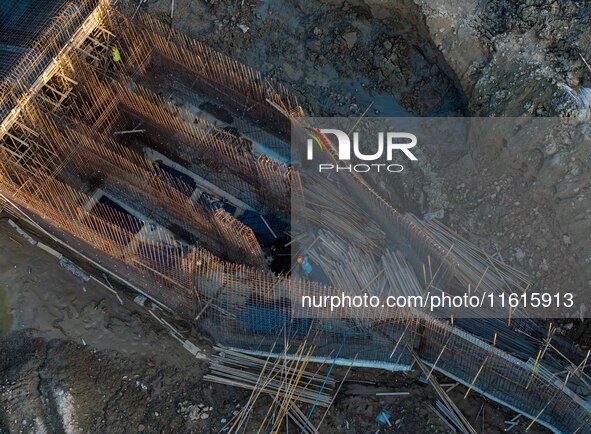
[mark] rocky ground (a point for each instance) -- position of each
(532, 202)
(336, 56)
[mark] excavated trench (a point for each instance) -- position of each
(340, 58)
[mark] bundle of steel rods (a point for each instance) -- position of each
(475, 267)
(402, 278)
(350, 268)
(284, 379)
(238, 369)
(327, 206)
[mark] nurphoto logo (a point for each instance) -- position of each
(390, 143)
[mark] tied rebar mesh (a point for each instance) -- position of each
(221, 285)
(32, 33)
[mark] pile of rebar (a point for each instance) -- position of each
(286, 381)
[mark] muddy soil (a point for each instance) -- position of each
(63, 386)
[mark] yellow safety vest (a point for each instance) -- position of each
(116, 54)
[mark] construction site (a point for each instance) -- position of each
(141, 156)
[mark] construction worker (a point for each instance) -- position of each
(305, 264)
(116, 54)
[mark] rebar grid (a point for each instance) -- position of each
(239, 305)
